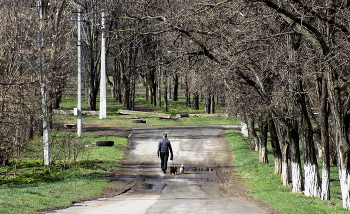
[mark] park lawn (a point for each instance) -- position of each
(27, 186)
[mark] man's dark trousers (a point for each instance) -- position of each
(164, 156)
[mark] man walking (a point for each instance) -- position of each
(164, 147)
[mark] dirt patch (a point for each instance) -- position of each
(110, 130)
(138, 107)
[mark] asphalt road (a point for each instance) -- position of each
(205, 187)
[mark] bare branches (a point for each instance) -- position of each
(206, 52)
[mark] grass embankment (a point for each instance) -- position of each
(27, 186)
(267, 186)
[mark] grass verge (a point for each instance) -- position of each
(266, 186)
(27, 186)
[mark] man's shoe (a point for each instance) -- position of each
(164, 172)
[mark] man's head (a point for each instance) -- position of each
(165, 135)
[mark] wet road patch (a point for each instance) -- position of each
(202, 169)
(139, 182)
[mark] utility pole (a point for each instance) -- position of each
(79, 120)
(41, 9)
(103, 99)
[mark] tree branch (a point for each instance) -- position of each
(206, 52)
(306, 28)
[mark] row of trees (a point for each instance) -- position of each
(290, 62)
(20, 93)
(281, 65)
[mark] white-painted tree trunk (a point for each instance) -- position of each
(278, 165)
(319, 149)
(296, 178)
(344, 185)
(285, 175)
(312, 180)
(244, 129)
(325, 189)
(256, 143)
(263, 154)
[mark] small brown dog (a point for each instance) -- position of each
(182, 169)
(173, 170)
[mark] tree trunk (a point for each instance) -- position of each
(126, 87)
(132, 91)
(133, 54)
(323, 123)
(286, 168)
(165, 78)
(244, 125)
(212, 104)
(284, 144)
(151, 86)
(341, 138)
(195, 101)
(176, 88)
(116, 82)
(94, 78)
(312, 180)
(244, 129)
(154, 89)
(93, 59)
(295, 161)
(57, 99)
(251, 128)
(207, 104)
(187, 93)
(312, 186)
(94, 82)
(159, 83)
(276, 148)
(263, 126)
(93, 97)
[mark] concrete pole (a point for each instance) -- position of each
(43, 86)
(79, 120)
(103, 101)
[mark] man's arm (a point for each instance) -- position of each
(171, 150)
(158, 148)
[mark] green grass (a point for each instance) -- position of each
(127, 120)
(69, 102)
(28, 186)
(213, 120)
(266, 186)
(30, 198)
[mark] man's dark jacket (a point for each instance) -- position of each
(164, 146)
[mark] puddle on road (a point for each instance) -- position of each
(208, 180)
(126, 178)
(203, 179)
(140, 182)
(204, 170)
(198, 169)
(147, 186)
(144, 184)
